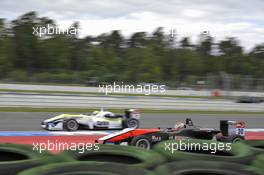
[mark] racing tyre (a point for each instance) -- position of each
(256, 145)
(132, 123)
(71, 125)
(259, 162)
(141, 142)
(235, 139)
(194, 149)
(119, 154)
(87, 168)
(204, 168)
(16, 158)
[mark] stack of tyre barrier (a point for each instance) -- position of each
(243, 159)
(16, 158)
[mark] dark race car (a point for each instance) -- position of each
(230, 131)
(249, 99)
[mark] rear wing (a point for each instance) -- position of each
(229, 128)
(132, 113)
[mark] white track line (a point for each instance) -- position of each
(255, 130)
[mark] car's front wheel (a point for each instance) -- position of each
(71, 125)
(141, 142)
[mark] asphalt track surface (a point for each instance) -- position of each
(30, 121)
(146, 102)
(97, 89)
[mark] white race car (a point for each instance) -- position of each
(95, 120)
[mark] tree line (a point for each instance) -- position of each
(141, 57)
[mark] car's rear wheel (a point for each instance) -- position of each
(71, 125)
(132, 123)
(237, 139)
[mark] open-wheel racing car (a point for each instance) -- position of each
(230, 131)
(95, 120)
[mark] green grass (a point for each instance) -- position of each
(97, 93)
(82, 110)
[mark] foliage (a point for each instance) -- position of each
(112, 57)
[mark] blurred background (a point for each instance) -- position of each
(159, 55)
(143, 57)
(209, 54)
(201, 50)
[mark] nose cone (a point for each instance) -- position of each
(54, 118)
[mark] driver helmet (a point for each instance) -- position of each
(178, 126)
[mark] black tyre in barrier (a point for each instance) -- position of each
(238, 152)
(119, 154)
(87, 168)
(259, 163)
(256, 145)
(15, 158)
(204, 168)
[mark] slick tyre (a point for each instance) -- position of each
(205, 150)
(119, 154)
(16, 158)
(70, 125)
(235, 139)
(256, 145)
(131, 123)
(87, 168)
(205, 168)
(141, 142)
